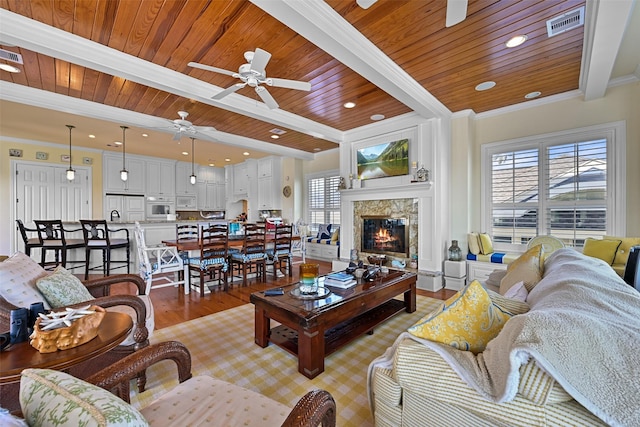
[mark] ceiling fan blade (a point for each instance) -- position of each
(289, 84)
(204, 129)
(210, 68)
(266, 97)
(260, 60)
(228, 90)
(456, 12)
(365, 4)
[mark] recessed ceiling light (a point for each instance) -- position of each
(227, 160)
(9, 68)
(246, 153)
(145, 135)
(485, 86)
(532, 95)
(377, 117)
(92, 136)
(117, 142)
(275, 136)
(516, 40)
(349, 104)
(278, 131)
(212, 164)
(184, 153)
(316, 149)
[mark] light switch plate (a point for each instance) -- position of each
(87, 161)
(41, 155)
(14, 152)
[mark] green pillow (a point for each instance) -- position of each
(486, 246)
(61, 288)
(54, 398)
(602, 249)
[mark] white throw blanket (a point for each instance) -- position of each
(583, 329)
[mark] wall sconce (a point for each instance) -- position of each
(124, 174)
(192, 178)
(71, 174)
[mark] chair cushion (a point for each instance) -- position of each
(150, 323)
(49, 397)
(18, 276)
(467, 321)
(203, 400)
(61, 288)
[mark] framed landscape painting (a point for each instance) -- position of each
(382, 160)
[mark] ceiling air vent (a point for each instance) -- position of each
(566, 22)
(7, 55)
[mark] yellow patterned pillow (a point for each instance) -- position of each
(527, 268)
(474, 243)
(602, 249)
(467, 321)
(486, 246)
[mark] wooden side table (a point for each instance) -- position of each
(112, 331)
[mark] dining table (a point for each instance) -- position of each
(235, 241)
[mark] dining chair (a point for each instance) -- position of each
(281, 252)
(29, 242)
(252, 257)
(213, 259)
(158, 264)
(51, 234)
(98, 236)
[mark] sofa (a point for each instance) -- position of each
(23, 282)
(568, 357)
(55, 398)
(611, 249)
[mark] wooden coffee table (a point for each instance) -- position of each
(113, 329)
(314, 328)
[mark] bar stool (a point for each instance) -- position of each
(51, 233)
(97, 236)
(29, 242)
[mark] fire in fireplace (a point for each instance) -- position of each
(384, 235)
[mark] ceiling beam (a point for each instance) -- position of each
(316, 21)
(604, 30)
(21, 31)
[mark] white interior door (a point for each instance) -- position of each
(43, 192)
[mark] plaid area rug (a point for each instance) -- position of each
(222, 346)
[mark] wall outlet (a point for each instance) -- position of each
(14, 152)
(41, 155)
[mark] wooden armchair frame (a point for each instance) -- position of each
(315, 408)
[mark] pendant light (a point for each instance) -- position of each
(192, 178)
(71, 174)
(124, 174)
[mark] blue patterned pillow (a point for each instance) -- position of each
(324, 231)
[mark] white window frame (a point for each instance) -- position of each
(307, 178)
(614, 133)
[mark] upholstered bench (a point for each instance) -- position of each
(325, 245)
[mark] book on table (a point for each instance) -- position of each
(341, 284)
(339, 276)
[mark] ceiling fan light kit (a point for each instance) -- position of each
(71, 174)
(253, 74)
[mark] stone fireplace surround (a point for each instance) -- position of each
(414, 201)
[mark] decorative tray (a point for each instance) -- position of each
(322, 293)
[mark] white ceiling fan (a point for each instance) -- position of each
(253, 74)
(456, 10)
(183, 126)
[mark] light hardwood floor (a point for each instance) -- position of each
(172, 306)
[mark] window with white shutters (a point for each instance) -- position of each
(323, 199)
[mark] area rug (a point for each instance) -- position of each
(222, 346)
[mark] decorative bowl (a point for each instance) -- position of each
(82, 330)
(377, 259)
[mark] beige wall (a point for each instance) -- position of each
(469, 133)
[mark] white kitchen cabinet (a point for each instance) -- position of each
(112, 165)
(130, 208)
(211, 188)
(269, 183)
(240, 180)
(161, 178)
(183, 185)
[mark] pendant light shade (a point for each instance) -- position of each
(71, 174)
(124, 174)
(192, 178)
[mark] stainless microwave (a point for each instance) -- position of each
(186, 202)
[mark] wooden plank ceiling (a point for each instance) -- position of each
(447, 62)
